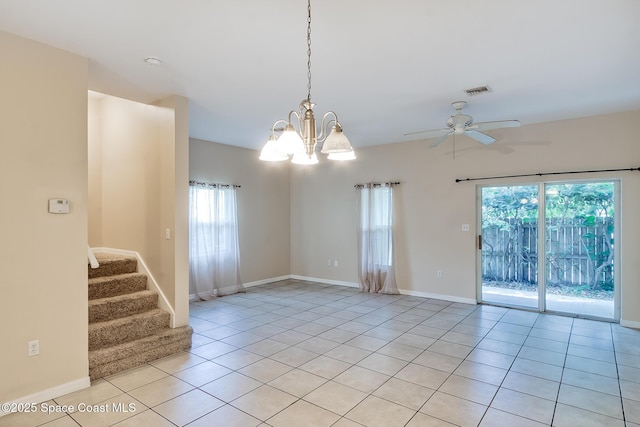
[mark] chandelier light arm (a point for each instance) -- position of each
(274, 129)
(325, 127)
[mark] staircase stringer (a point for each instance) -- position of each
(152, 284)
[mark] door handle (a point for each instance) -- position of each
(479, 241)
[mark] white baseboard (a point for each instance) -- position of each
(629, 324)
(439, 296)
(327, 281)
(52, 393)
(265, 281)
(402, 291)
(163, 302)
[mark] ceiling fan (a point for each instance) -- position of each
(460, 124)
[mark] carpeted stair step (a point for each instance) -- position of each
(110, 286)
(130, 328)
(116, 307)
(111, 265)
(119, 358)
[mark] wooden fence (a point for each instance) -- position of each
(576, 254)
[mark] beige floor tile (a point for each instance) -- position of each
(438, 361)
(528, 384)
(631, 410)
(266, 347)
(481, 372)
(495, 418)
(537, 369)
(203, 373)
(160, 391)
(264, 402)
(404, 393)
(367, 342)
(376, 412)
(226, 416)
(335, 397)
(136, 377)
(237, 359)
(147, 418)
(347, 353)
(400, 351)
(590, 400)
(466, 388)
(345, 422)
(544, 356)
(39, 414)
(265, 370)
(188, 407)
(99, 391)
(177, 362)
(66, 421)
(212, 350)
(524, 405)
(362, 379)
(231, 386)
(422, 375)
(569, 416)
(451, 349)
(302, 413)
(415, 340)
(108, 412)
(424, 420)
(242, 339)
(294, 356)
(452, 409)
(499, 347)
(630, 390)
(386, 365)
(325, 367)
(298, 382)
(317, 345)
(591, 365)
(461, 338)
(491, 358)
(591, 381)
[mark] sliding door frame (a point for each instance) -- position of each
(541, 240)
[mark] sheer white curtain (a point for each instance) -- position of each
(214, 253)
(376, 270)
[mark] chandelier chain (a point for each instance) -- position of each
(309, 50)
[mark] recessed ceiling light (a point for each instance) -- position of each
(152, 60)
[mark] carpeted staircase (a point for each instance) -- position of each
(126, 327)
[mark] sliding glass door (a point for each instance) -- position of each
(550, 247)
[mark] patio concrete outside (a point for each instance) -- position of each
(561, 303)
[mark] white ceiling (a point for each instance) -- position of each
(386, 67)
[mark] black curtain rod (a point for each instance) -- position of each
(376, 184)
(206, 184)
(545, 173)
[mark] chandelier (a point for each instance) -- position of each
(301, 144)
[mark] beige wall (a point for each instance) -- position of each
(43, 256)
(263, 204)
(140, 157)
(433, 206)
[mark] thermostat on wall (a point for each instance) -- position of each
(58, 206)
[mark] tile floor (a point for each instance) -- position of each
(297, 353)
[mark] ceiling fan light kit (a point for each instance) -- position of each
(301, 145)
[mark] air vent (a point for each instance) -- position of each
(478, 90)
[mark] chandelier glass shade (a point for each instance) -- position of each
(301, 143)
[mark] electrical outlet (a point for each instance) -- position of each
(34, 348)
(335, 263)
(439, 274)
(465, 227)
(167, 233)
(329, 262)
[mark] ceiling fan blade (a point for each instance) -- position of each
(429, 133)
(479, 136)
(439, 140)
(496, 125)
